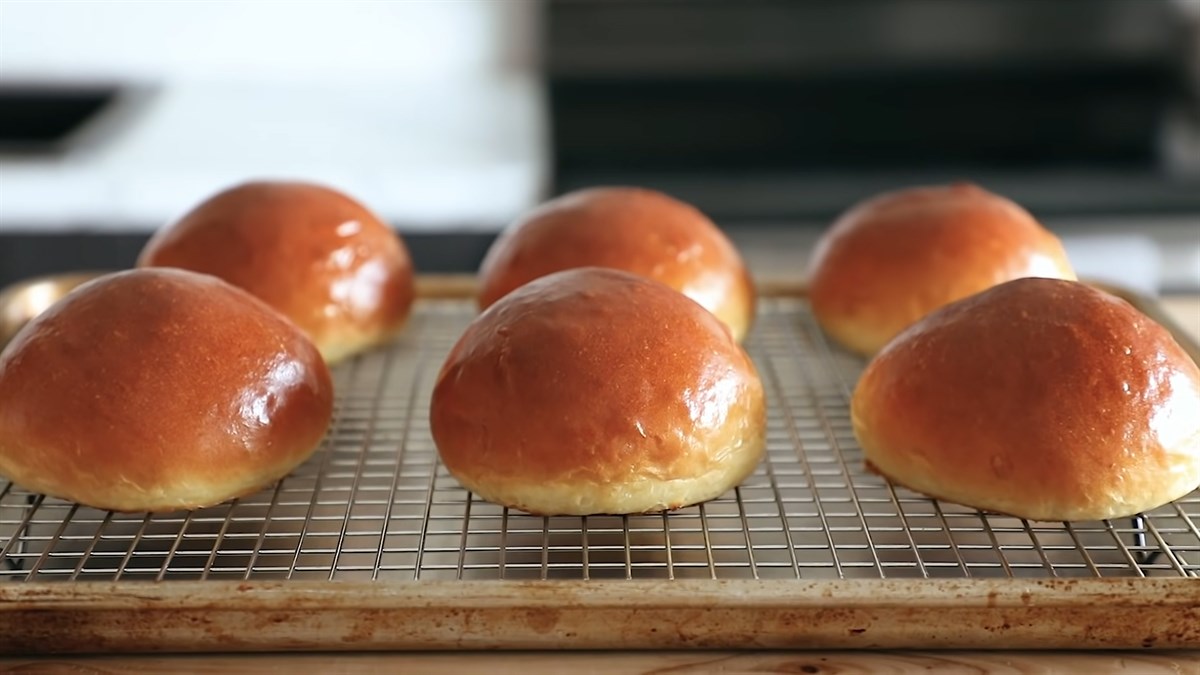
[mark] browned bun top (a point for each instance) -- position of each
(313, 253)
(1040, 398)
(598, 391)
(894, 258)
(633, 229)
(156, 390)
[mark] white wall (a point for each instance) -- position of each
(429, 111)
(264, 39)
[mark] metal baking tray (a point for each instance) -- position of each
(371, 544)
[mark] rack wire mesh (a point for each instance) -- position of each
(374, 503)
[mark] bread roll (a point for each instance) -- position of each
(632, 229)
(892, 259)
(314, 254)
(597, 391)
(155, 390)
(1039, 398)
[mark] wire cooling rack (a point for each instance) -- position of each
(374, 503)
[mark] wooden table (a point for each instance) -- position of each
(646, 663)
(1185, 310)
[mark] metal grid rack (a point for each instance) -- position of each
(374, 503)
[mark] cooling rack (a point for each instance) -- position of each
(372, 523)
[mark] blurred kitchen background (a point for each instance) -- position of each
(450, 118)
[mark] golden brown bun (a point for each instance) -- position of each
(155, 390)
(1039, 398)
(632, 229)
(314, 254)
(598, 391)
(893, 259)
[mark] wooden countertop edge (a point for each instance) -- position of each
(815, 662)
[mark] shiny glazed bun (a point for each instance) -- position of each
(598, 391)
(632, 229)
(892, 259)
(155, 390)
(1039, 398)
(314, 254)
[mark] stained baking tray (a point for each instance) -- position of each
(372, 545)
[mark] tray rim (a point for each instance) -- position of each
(86, 616)
(570, 615)
(462, 286)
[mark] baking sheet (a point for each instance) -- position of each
(374, 514)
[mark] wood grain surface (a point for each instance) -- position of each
(642, 663)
